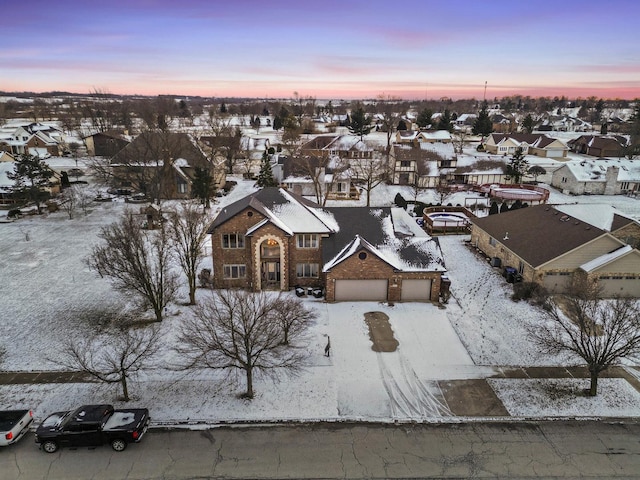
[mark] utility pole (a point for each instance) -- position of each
(484, 97)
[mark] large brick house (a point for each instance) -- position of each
(276, 240)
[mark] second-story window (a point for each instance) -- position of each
(307, 240)
(232, 240)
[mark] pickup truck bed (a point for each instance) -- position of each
(93, 425)
(14, 424)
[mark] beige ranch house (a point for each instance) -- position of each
(549, 246)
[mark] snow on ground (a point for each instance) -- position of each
(48, 293)
(566, 398)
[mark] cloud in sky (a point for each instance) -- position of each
(333, 48)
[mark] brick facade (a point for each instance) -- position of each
(289, 256)
(256, 252)
(371, 268)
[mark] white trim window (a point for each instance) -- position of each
(307, 270)
(307, 240)
(232, 240)
(234, 271)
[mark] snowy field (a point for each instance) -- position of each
(47, 293)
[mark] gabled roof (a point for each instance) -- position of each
(607, 258)
(151, 147)
(538, 234)
(533, 139)
(318, 143)
(604, 216)
(289, 212)
(600, 141)
(595, 170)
(389, 233)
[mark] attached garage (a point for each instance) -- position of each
(361, 290)
(416, 290)
(556, 281)
(555, 153)
(613, 286)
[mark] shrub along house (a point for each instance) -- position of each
(276, 240)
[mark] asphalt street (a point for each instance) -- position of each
(558, 449)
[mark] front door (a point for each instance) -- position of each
(270, 275)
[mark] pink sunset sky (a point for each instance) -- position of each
(341, 49)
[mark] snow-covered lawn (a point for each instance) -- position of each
(47, 293)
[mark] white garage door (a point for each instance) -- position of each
(555, 153)
(416, 290)
(365, 290)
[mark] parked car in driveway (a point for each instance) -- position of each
(14, 424)
(92, 426)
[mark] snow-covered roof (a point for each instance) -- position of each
(598, 215)
(601, 261)
(595, 170)
(6, 167)
(385, 232)
(290, 213)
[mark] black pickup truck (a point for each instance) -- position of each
(92, 426)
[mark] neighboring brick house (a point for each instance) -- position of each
(548, 246)
(276, 240)
(599, 145)
(33, 139)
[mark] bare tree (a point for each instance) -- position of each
(225, 139)
(389, 117)
(240, 332)
(68, 201)
(370, 172)
(73, 197)
(101, 170)
(293, 317)
(84, 197)
(459, 140)
(188, 230)
(137, 262)
(112, 357)
(323, 169)
(600, 332)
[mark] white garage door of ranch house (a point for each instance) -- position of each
(416, 290)
(361, 290)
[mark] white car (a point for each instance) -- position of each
(14, 424)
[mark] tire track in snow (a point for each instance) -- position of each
(409, 396)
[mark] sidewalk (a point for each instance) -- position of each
(476, 398)
(465, 398)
